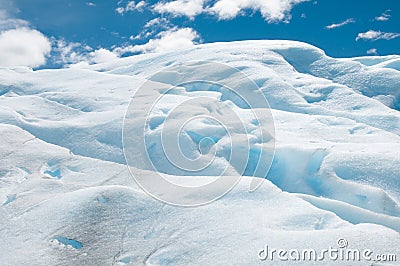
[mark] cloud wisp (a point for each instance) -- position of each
(385, 16)
(372, 51)
(373, 35)
(152, 27)
(130, 6)
(341, 24)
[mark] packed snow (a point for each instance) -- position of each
(67, 197)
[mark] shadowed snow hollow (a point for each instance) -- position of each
(66, 196)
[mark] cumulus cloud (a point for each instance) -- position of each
(91, 4)
(101, 56)
(23, 47)
(372, 51)
(189, 8)
(384, 16)
(19, 44)
(130, 6)
(271, 10)
(170, 40)
(226, 9)
(377, 35)
(341, 24)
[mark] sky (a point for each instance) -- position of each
(64, 33)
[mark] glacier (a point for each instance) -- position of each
(67, 197)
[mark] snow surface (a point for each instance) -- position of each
(66, 196)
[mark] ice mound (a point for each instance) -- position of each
(66, 196)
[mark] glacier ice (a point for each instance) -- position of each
(335, 172)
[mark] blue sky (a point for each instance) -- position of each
(73, 31)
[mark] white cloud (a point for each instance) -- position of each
(189, 8)
(341, 24)
(271, 10)
(377, 35)
(384, 16)
(154, 22)
(23, 47)
(72, 53)
(372, 51)
(152, 27)
(120, 10)
(69, 52)
(19, 44)
(8, 23)
(139, 6)
(130, 6)
(225, 9)
(91, 4)
(170, 40)
(101, 56)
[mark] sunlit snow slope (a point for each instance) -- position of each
(66, 197)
